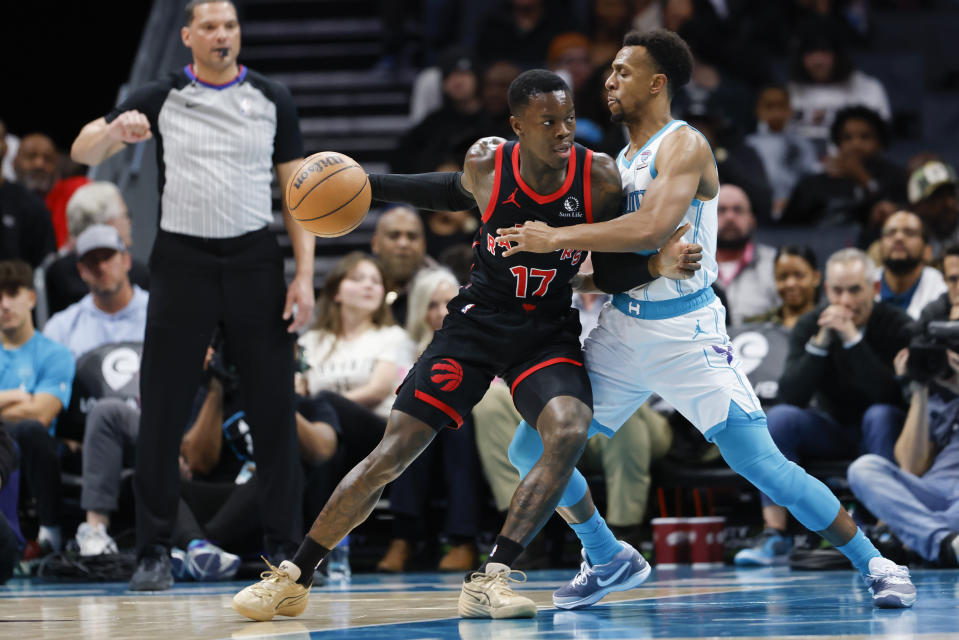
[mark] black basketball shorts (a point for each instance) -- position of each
(539, 357)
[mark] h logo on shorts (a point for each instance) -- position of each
(728, 352)
(448, 373)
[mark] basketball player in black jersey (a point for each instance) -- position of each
(512, 320)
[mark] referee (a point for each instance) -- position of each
(220, 129)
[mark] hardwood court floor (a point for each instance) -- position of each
(678, 604)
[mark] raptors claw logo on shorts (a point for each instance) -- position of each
(448, 373)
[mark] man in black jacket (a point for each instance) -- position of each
(839, 391)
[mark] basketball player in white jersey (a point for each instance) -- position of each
(668, 337)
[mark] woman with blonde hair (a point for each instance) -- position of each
(431, 292)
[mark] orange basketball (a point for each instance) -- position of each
(329, 194)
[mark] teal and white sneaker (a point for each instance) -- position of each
(772, 548)
(889, 584)
(628, 569)
(179, 564)
(207, 562)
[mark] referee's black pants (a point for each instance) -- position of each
(196, 284)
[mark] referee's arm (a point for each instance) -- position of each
(300, 291)
(99, 139)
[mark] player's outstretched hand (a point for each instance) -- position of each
(130, 127)
(533, 236)
(678, 260)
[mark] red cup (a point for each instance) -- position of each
(670, 541)
(706, 541)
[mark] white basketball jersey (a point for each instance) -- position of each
(637, 173)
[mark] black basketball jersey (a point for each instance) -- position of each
(533, 282)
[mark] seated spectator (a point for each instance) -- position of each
(609, 25)
(853, 179)
(96, 203)
(904, 280)
(745, 266)
(354, 349)
(797, 283)
(521, 30)
(786, 156)
(917, 499)
(27, 230)
(737, 162)
(114, 310)
(456, 448)
(840, 357)
(399, 242)
(460, 120)
(39, 166)
(932, 194)
(36, 378)
(495, 94)
(824, 82)
(444, 229)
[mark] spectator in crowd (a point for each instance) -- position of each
(918, 499)
(36, 163)
(215, 261)
(737, 162)
(9, 544)
(521, 30)
(13, 143)
(400, 244)
(711, 90)
(74, 176)
(354, 349)
(496, 80)
(35, 384)
(568, 56)
(27, 231)
(840, 357)
(114, 310)
(904, 280)
(824, 82)
(98, 203)
(932, 194)
(444, 229)
(786, 156)
(459, 120)
(853, 179)
(745, 266)
(354, 354)
(455, 448)
(797, 283)
(610, 22)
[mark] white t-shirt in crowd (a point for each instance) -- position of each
(351, 362)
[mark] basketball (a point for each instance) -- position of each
(328, 194)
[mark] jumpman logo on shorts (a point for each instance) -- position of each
(699, 330)
(512, 198)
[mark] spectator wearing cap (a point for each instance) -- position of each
(853, 179)
(114, 310)
(824, 81)
(905, 281)
(459, 121)
(932, 194)
(36, 378)
(95, 203)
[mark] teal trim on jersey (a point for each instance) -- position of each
(663, 309)
(647, 252)
(699, 217)
(629, 163)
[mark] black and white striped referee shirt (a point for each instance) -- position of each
(216, 147)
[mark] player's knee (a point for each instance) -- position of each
(525, 449)
(564, 433)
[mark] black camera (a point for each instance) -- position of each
(927, 352)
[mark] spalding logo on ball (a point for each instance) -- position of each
(328, 194)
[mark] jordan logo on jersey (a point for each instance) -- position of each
(512, 199)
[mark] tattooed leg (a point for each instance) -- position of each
(562, 425)
(356, 494)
